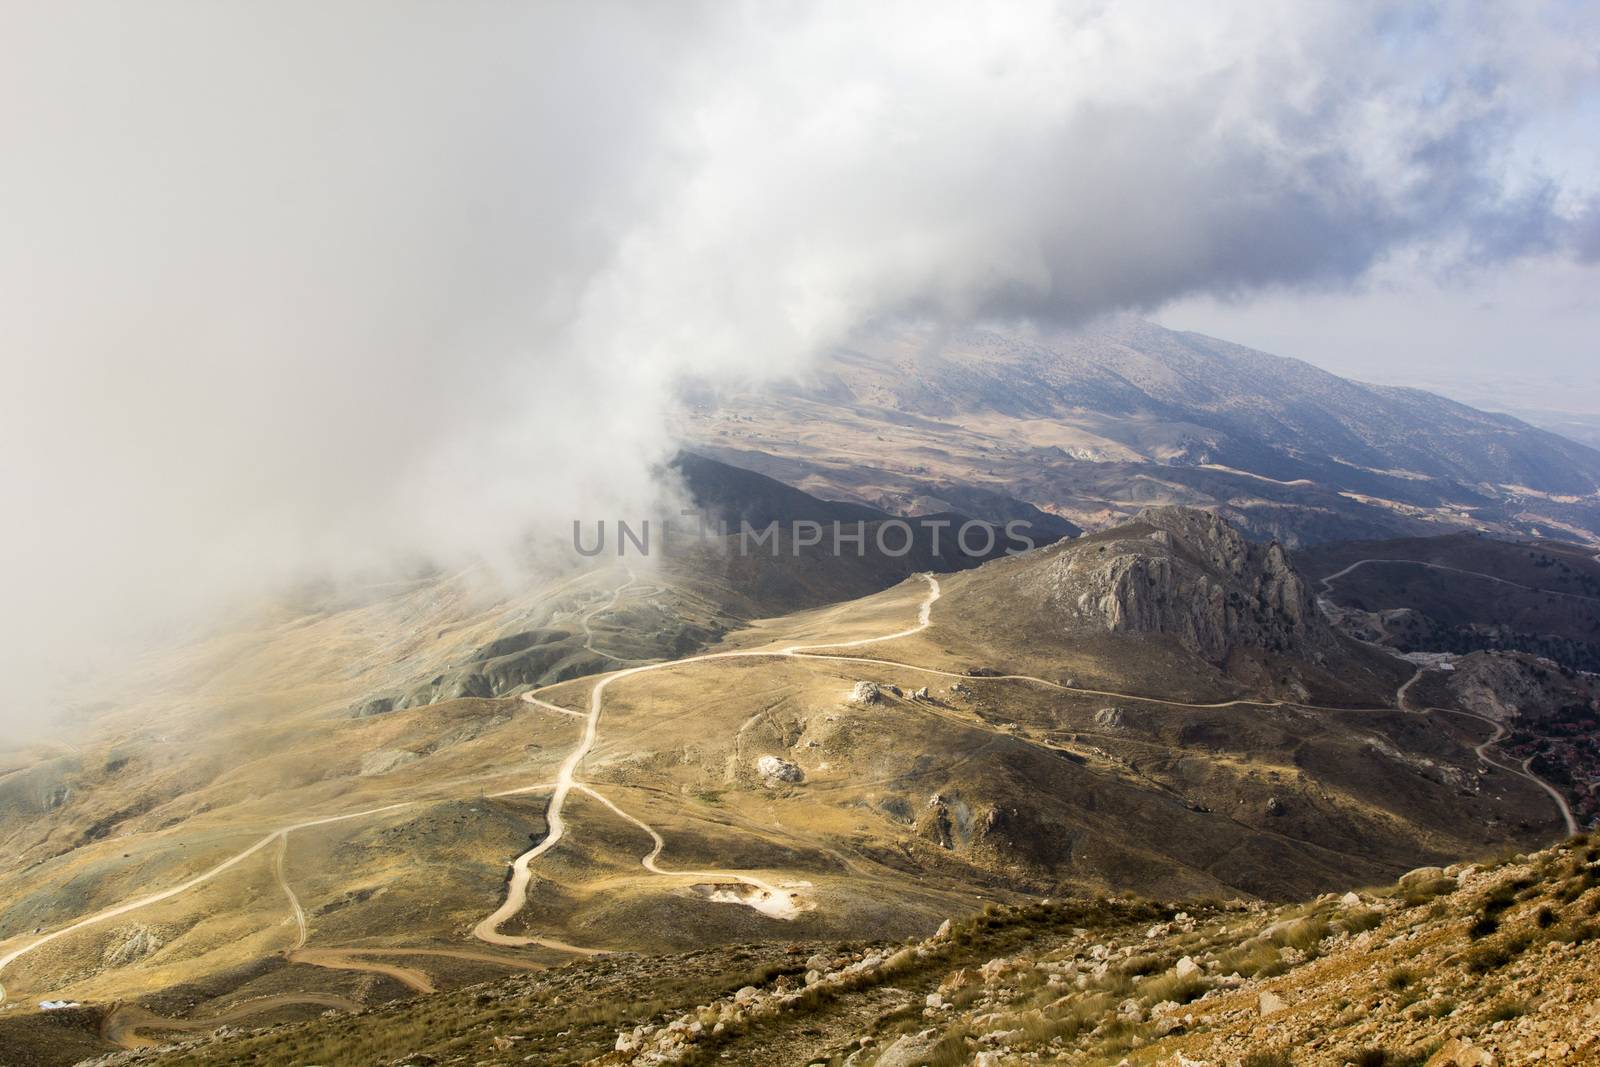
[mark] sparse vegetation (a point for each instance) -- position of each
(1274, 1058)
(1506, 1010)
(1400, 978)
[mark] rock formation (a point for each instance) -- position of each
(1193, 577)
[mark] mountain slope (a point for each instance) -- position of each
(857, 770)
(1470, 966)
(1125, 412)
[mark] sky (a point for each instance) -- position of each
(1522, 337)
(299, 287)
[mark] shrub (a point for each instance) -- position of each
(1506, 1010)
(1361, 919)
(1483, 927)
(1400, 978)
(1250, 960)
(1423, 892)
(1138, 966)
(1378, 1057)
(1494, 954)
(1275, 1058)
(1273, 969)
(1171, 987)
(1302, 933)
(1575, 933)
(1499, 899)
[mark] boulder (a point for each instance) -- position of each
(1420, 875)
(129, 944)
(1459, 1053)
(864, 693)
(1110, 718)
(775, 770)
(912, 1050)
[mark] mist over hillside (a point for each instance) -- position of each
(1038, 667)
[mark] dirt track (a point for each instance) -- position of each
(768, 898)
(124, 1024)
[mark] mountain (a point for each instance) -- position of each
(1155, 708)
(1472, 965)
(1176, 603)
(1096, 423)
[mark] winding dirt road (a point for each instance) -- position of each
(1526, 769)
(588, 618)
(124, 1024)
(167, 894)
(768, 898)
(1326, 583)
(1401, 694)
(521, 874)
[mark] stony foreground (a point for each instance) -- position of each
(1471, 965)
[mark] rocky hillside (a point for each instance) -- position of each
(1195, 578)
(1511, 688)
(1174, 598)
(1472, 965)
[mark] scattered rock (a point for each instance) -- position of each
(1459, 1053)
(1269, 1003)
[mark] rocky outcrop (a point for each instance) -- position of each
(864, 693)
(130, 944)
(1189, 575)
(1508, 686)
(775, 770)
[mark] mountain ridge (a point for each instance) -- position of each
(1094, 424)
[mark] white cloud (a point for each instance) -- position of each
(299, 285)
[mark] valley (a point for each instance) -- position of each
(951, 740)
(1193, 687)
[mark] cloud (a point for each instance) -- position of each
(307, 286)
